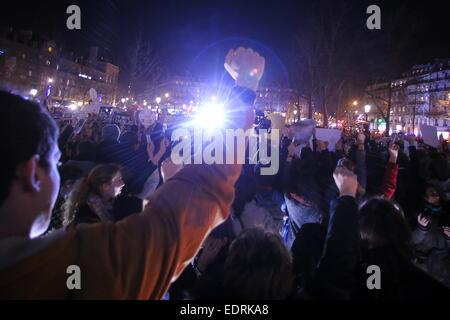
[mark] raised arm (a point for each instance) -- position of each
(389, 185)
(140, 256)
(334, 277)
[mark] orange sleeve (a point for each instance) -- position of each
(140, 256)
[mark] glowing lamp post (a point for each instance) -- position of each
(367, 108)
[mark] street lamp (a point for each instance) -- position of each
(367, 108)
(33, 92)
(355, 103)
(158, 100)
(50, 80)
(167, 95)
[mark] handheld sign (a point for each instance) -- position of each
(303, 130)
(147, 117)
(277, 121)
(429, 135)
(330, 135)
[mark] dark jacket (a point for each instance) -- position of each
(431, 246)
(108, 152)
(334, 276)
(400, 279)
(85, 215)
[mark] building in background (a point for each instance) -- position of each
(186, 94)
(420, 96)
(36, 68)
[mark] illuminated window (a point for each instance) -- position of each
(50, 49)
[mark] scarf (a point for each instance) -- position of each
(102, 208)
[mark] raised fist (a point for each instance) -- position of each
(245, 66)
(393, 152)
(346, 181)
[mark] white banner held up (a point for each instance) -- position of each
(330, 135)
(429, 135)
(277, 121)
(147, 117)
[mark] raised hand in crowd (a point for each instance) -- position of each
(322, 145)
(155, 158)
(291, 151)
(169, 169)
(346, 181)
(423, 221)
(446, 231)
(361, 139)
(245, 66)
(393, 151)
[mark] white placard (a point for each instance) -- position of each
(303, 130)
(429, 135)
(277, 121)
(330, 135)
(147, 117)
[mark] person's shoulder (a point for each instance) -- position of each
(423, 285)
(15, 249)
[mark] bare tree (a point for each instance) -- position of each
(387, 50)
(142, 68)
(320, 50)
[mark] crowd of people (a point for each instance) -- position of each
(141, 227)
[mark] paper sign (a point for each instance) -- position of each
(330, 135)
(92, 108)
(277, 121)
(303, 130)
(429, 135)
(147, 117)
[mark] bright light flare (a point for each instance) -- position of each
(210, 116)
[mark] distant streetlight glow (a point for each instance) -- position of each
(367, 108)
(295, 112)
(158, 100)
(122, 100)
(355, 103)
(50, 80)
(167, 95)
(33, 92)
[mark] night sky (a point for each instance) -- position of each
(192, 37)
